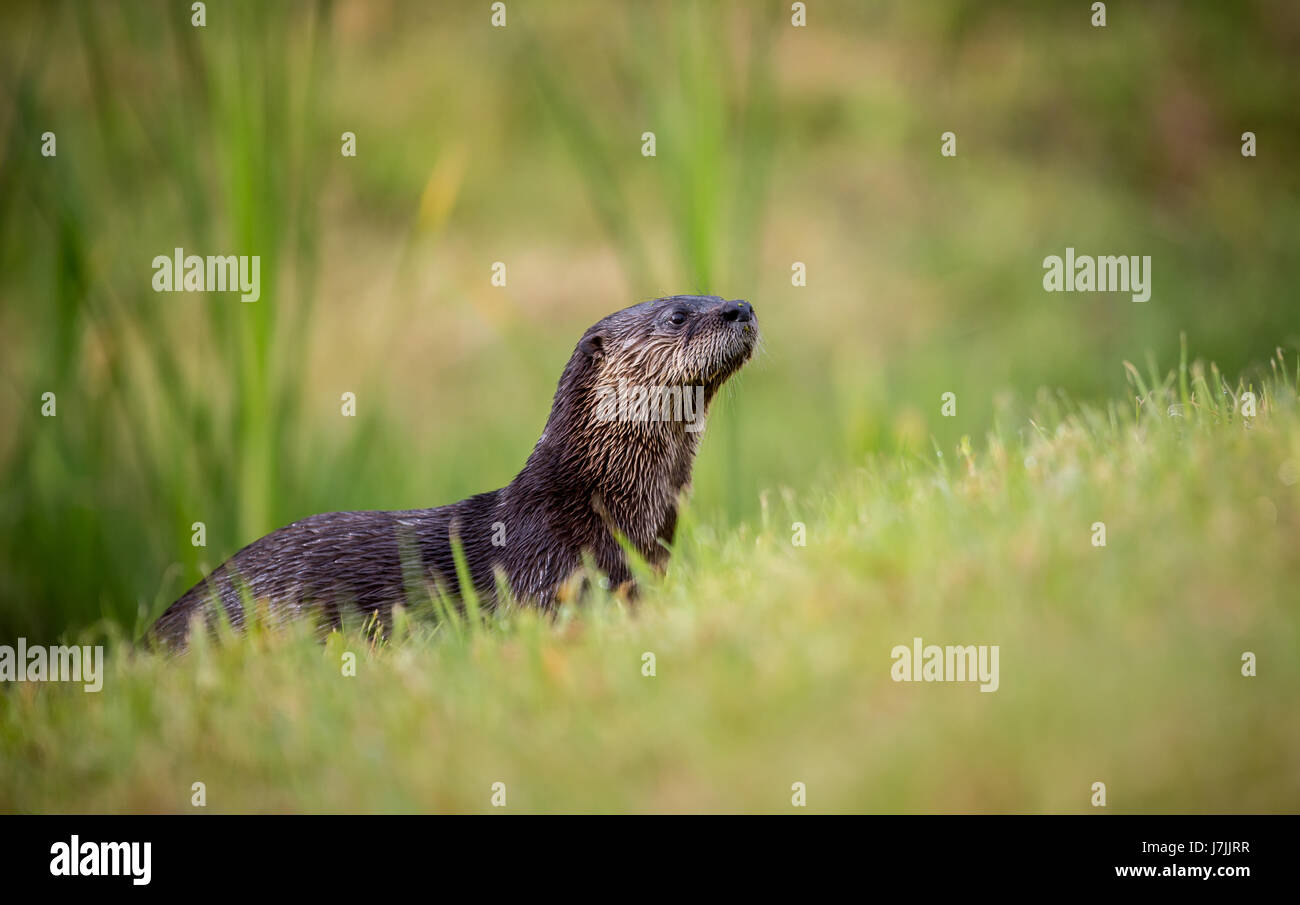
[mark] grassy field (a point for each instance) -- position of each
(1119, 663)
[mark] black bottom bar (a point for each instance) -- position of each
(334, 854)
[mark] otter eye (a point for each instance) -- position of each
(678, 318)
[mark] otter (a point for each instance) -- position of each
(603, 473)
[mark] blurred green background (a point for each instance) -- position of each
(522, 145)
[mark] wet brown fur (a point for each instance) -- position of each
(586, 479)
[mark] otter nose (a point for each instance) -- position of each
(738, 311)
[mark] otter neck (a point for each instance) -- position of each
(627, 475)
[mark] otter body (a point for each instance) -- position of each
(601, 469)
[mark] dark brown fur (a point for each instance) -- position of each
(584, 477)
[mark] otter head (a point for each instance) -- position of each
(630, 408)
(632, 401)
(686, 343)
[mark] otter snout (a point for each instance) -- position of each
(737, 311)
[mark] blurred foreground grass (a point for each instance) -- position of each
(1119, 664)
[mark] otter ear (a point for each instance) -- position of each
(593, 346)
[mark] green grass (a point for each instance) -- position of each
(1119, 664)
